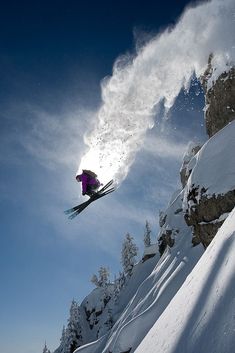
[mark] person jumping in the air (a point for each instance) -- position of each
(90, 183)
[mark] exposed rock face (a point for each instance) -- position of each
(206, 211)
(208, 214)
(220, 99)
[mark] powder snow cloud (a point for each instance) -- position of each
(157, 73)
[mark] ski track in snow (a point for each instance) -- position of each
(202, 312)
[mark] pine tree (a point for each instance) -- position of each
(64, 341)
(103, 276)
(129, 252)
(122, 279)
(118, 285)
(102, 281)
(73, 332)
(45, 349)
(116, 289)
(147, 235)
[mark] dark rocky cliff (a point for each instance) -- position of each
(219, 98)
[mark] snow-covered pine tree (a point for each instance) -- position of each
(129, 252)
(73, 332)
(63, 348)
(122, 279)
(103, 279)
(103, 276)
(147, 234)
(45, 349)
(116, 289)
(118, 284)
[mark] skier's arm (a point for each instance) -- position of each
(84, 184)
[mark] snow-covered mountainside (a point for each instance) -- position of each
(161, 278)
(200, 318)
(180, 297)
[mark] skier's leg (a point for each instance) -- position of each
(90, 191)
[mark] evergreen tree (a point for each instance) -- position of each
(122, 279)
(103, 276)
(118, 284)
(73, 332)
(116, 289)
(147, 234)
(129, 252)
(64, 341)
(102, 281)
(45, 349)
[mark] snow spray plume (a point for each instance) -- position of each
(158, 72)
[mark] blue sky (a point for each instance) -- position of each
(53, 57)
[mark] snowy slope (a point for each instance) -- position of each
(183, 302)
(141, 305)
(213, 167)
(201, 317)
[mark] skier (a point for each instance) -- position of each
(90, 183)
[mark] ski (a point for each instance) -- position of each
(74, 211)
(87, 203)
(75, 208)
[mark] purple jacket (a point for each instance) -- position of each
(87, 180)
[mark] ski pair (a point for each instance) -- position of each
(74, 211)
(104, 188)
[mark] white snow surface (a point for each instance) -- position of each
(150, 289)
(95, 300)
(213, 167)
(151, 250)
(200, 318)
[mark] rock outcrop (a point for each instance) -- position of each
(206, 214)
(219, 98)
(210, 190)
